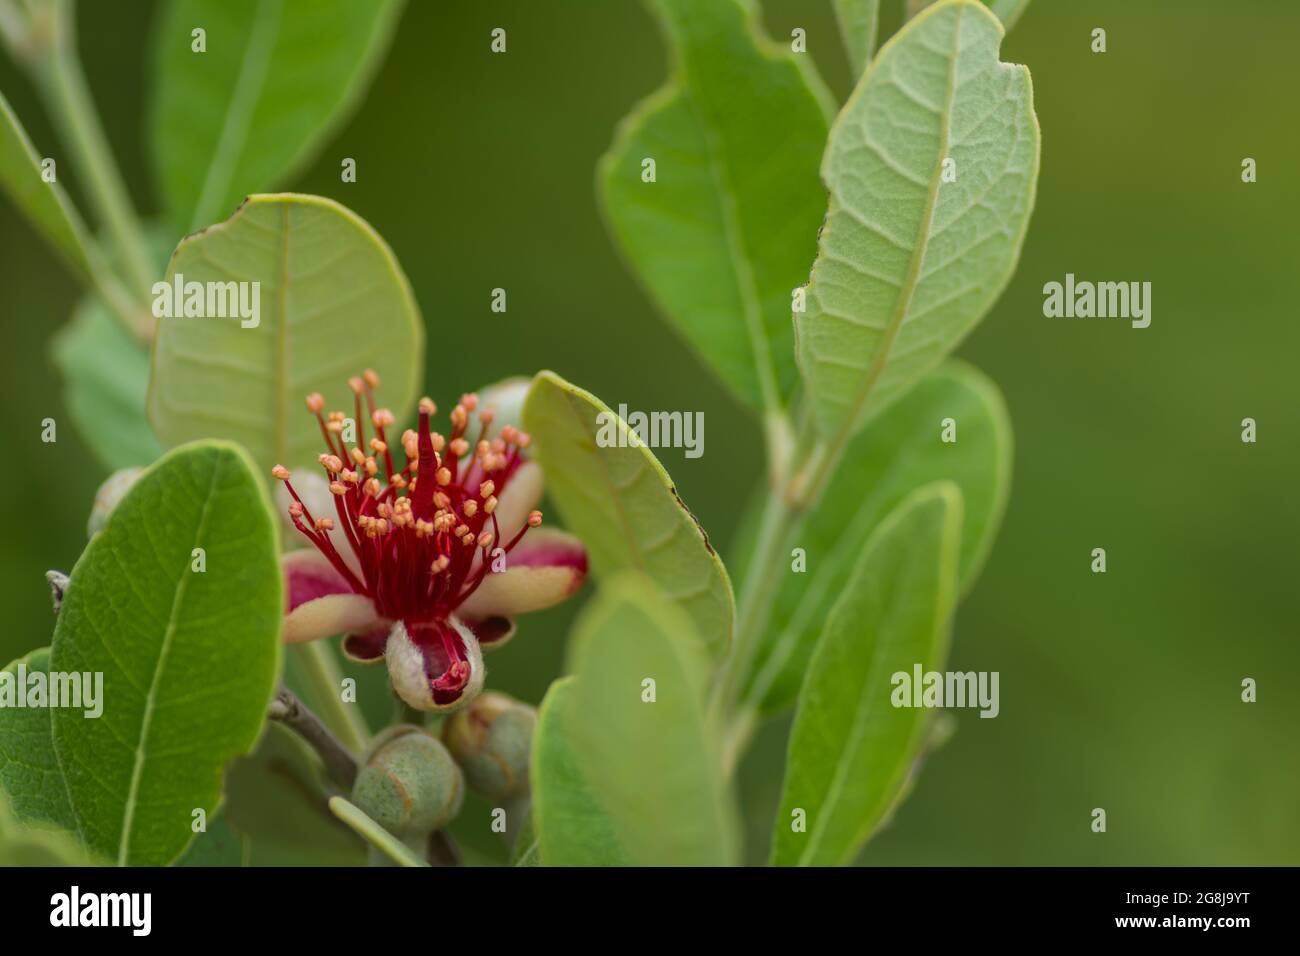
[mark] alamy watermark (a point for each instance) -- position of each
(1102, 300)
(73, 690)
(934, 689)
(652, 430)
(75, 908)
(208, 300)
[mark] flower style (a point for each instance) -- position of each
(424, 566)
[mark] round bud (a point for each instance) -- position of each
(410, 785)
(491, 740)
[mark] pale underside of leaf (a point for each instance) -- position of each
(570, 827)
(850, 749)
(900, 450)
(908, 263)
(334, 301)
(651, 766)
(624, 507)
(374, 834)
(105, 380)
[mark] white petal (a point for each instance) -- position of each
(314, 490)
(327, 616)
(522, 493)
(543, 569)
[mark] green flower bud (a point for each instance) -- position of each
(491, 740)
(410, 785)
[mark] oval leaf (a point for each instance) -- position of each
(276, 77)
(29, 769)
(899, 451)
(649, 764)
(622, 504)
(569, 826)
(333, 300)
(22, 845)
(725, 232)
(850, 749)
(187, 671)
(909, 261)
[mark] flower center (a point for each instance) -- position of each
(423, 536)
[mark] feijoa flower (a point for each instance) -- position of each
(423, 565)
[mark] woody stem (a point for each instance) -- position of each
(340, 764)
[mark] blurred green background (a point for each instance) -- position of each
(1120, 690)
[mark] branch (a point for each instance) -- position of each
(293, 713)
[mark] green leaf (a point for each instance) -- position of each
(37, 845)
(651, 765)
(859, 23)
(900, 450)
(526, 850)
(105, 381)
(373, 833)
(277, 800)
(278, 77)
(909, 263)
(1008, 11)
(219, 845)
(850, 749)
(623, 505)
(29, 770)
(569, 828)
(725, 233)
(334, 301)
(44, 204)
(187, 669)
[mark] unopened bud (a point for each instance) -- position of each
(491, 740)
(410, 785)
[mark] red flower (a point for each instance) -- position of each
(425, 565)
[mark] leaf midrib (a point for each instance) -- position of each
(282, 341)
(912, 279)
(858, 729)
(178, 597)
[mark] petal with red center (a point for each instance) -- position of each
(543, 569)
(320, 602)
(435, 666)
(308, 575)
(492, 632)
